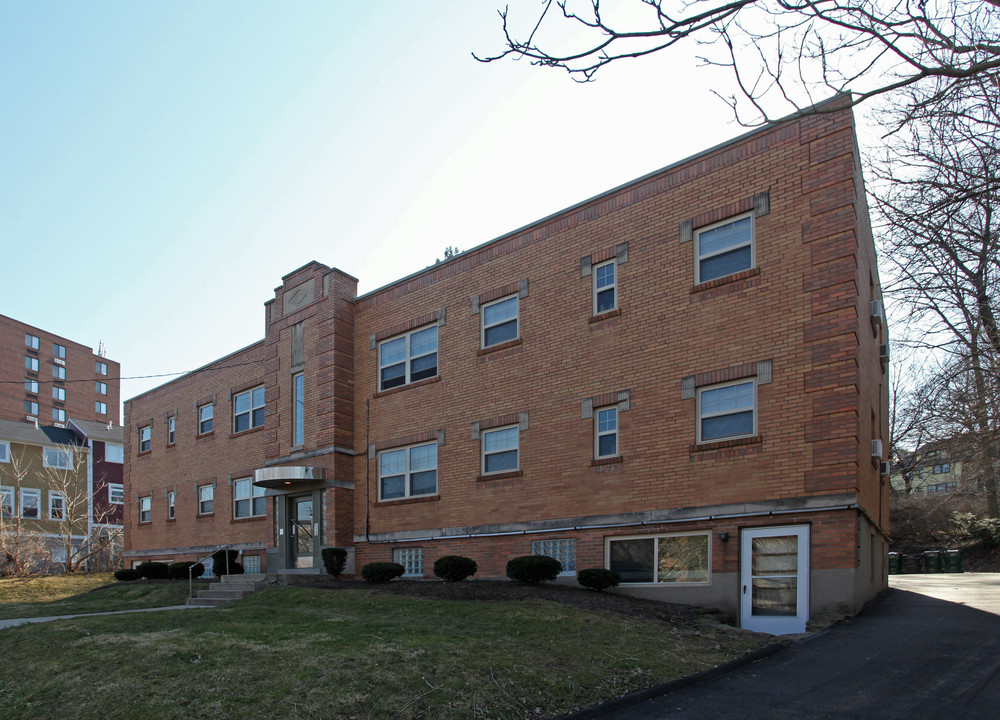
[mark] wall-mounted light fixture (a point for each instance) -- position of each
(724, 536)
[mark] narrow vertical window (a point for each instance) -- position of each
(145, 435)
(57, 505)
(605, 287)
(206, 418)
(171, 504)
(606, 432)
(206, 499)
(171, 429)
(145, 509)
(299, 409)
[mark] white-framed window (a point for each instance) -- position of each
(58, 372)
(58, 554)
(101, 408)
(101, 388)
(31, 363)
(57, 505)
(606, 432)
(31, 407)
(31, 341)
(410, 558)
(59, 351)
(605, 287)
(407, 472)
(501, 448)
(171, 429)
(206, 418)
(675, 558)
(31, 503)
(724, 248)
(206, 499)
(6, 502)
(101, 368)
(4, 451)
(408, 358)
(563, 550)
(116, 493)
(31, 386)
(727, 411)
(114, 453)
(299, 409)
(171, 505)
(145, 508)
(248, 410)
(248, 499)
(500, 321)
(59, 393)
(59, 415)
(145, 438)
(58, 458)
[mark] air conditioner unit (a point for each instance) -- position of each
(885, 468)
(877, 448)
(877, 313)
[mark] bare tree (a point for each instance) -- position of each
(29, 534)
(940, 204)
(784, 55)
(80, 539)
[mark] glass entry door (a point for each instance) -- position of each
(774, 579)
(302, 536)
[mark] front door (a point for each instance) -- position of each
(774, 579)
(301, 531)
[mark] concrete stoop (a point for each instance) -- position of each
(228, 589)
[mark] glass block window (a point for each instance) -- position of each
(410, 558)
(563, 550)
(251, 564)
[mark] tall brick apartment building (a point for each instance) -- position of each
(679, 379)
(62, 379)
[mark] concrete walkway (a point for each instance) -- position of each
(14, 622)
(928, 648)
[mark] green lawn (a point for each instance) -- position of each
(84, 593)
(295, 652)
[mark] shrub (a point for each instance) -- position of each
(179, 570)
(153, 570)
(985, 530)
(126, 575)
(220, 566)
(334, 559)
(454, 568)
(382, 572)
(598, 578)
(533, 568)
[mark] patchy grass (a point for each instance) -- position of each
(304, 653)
(84, 593)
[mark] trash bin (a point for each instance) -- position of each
(953, 561)
(913, 564)
(895, 563)
(932, 561)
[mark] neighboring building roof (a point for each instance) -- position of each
(90, 430)
(28, 434)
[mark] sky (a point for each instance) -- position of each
(164, 164)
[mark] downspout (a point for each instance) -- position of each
(368, 465)
(90, 496)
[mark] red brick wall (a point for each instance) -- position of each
(798, 308)
(194, 459)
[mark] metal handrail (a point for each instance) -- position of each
(202, 561)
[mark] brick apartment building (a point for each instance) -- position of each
(62, 379)
(679, 379)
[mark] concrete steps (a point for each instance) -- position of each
(228, 589)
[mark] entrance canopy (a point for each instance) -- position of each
(286, 478)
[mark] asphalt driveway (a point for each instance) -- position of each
(927, 648)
